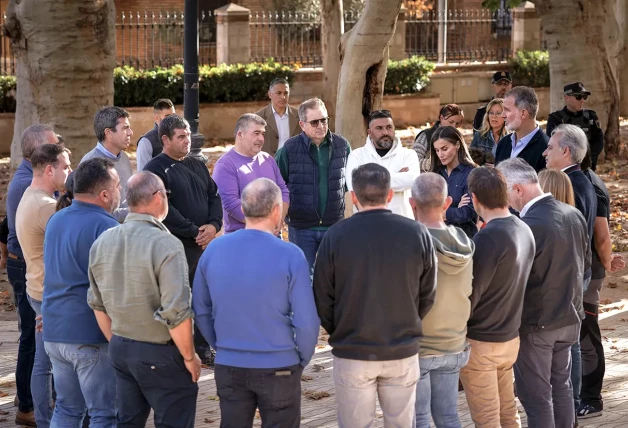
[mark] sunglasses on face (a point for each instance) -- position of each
(167, 193)
(314, 123)
(581, 97)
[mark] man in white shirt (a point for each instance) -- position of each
(281, 118)
(149, 144)
(383, 148)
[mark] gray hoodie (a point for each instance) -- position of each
(445, 325)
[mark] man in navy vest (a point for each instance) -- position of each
(313, 166)
(149, 144)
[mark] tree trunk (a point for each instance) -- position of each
(65, 52)
(333, 23)
(364, 59)
(588, 54)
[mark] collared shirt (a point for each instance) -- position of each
(527, 206)
(283, 126)
(145, 294)
(18, 185)
(456, 188)
(519, 145)
(106, 152)
(568, 167)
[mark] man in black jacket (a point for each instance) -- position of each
(194, 206)
(552, 305)
(374, 280)
(527, 141)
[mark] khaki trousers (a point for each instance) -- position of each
(488, 384)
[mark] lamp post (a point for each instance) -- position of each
(190, 77)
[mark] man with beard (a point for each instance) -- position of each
(384, 148)
(78, 350)
(501, 83)
(527, 141)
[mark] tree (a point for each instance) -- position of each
(65, 52)
(363, 59)
(332, 21)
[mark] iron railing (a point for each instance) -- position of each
(7, 58)
(460, 35)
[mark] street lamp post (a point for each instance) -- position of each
(190, 77)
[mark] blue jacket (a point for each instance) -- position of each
(465, 217)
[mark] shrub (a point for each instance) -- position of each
(531, 68)
(408, 76)
(7, 93)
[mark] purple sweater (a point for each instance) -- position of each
(233, 172)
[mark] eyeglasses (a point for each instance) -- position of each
(159, 190)
(581, 97)
(314, 123)
(494, 113)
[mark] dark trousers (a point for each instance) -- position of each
(152, 376)
(16, 272)
(275, 392)
(192, 255)
(543, 377)
(593, 364)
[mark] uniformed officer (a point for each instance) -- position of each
(573, 113)
(502, 83)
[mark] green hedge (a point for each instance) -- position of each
(225, 83)
(531, 68)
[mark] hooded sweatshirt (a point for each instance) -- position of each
(445, 326)
(397, 158)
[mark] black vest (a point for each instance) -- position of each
(155, 142)
(584, 121)
(303, 183)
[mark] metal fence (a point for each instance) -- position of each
(290, 38)
(460, 35)
(7, 59)
(149, 39)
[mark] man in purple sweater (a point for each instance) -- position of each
(243, 164)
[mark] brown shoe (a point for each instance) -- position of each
(26, 419)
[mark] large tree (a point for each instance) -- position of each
(65, 52)
(332, 21)
(364, 59)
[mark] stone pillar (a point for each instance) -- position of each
(233, 35)
(526, 28)
(398, 42)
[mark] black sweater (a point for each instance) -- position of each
(504, 252)
(194, 199)
(374, 279)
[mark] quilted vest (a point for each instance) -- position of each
(153, 137)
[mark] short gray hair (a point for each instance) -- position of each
(574, 138)
(34, 136)
(141, 187)
(429, 190)
(518, 171)
(525, 99)
(259, 197)
(246, 120)
(310, 104)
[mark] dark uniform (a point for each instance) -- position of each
(585, 119)
(481, 112)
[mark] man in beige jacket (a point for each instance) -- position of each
(282, 120)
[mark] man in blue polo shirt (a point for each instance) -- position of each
(84, 377)
(33, 137)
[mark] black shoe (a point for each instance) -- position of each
(585, 411)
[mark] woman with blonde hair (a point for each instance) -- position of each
(493, 128)
(558, 184)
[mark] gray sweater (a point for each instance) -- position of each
(125, 171)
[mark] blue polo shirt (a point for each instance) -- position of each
(70, 234)
(20, 181)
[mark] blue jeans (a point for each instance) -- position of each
(437, 390)
(16, 272)
(41, 380)
(308, 241)
(84, 380)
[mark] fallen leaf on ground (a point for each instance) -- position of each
(213, 397)
(608, 329)
(318, 368)
(208, 421)
(612, 285)
(306, 378)
(3, 394)
(315, 395)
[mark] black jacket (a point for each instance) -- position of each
(194, 199)
(553, 295)
(532, 153)
(584, 194)
(153, 137)
(374, 279)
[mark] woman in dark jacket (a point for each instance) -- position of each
(450, 115)
(451, 159)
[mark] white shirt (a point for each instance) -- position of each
(283, 126)
(397, 158)
(567, 167)
(527, 206)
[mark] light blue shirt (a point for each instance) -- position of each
(106, 152)
(518, 146)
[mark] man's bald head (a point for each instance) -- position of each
(429, 191)
(141, 190)
(259, 197)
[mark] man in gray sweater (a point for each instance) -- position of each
(112, 128)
